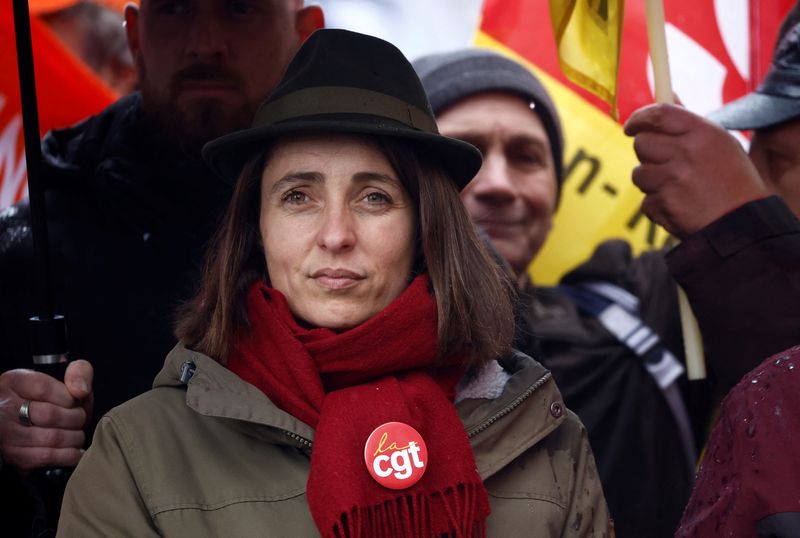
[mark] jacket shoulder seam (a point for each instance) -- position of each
(203, 507)
(527, 495)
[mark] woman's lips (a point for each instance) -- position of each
(336, 279)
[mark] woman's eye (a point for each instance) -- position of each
(377, 198)
(295, 197)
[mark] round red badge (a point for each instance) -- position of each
(396, 455)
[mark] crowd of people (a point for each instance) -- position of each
(330, 245)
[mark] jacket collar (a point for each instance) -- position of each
(529, 408)
(213, 390)
(526, 411)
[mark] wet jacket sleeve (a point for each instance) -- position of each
(587, 512)
(742, 276)
(750, 478)
(103, 498)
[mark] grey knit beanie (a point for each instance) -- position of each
(452, 76)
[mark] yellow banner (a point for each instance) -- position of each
(598, 200)
(588, 34)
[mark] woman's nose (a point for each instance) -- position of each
(337, 230)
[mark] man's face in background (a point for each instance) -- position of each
(775, 152)
(205, 65)
(513, 196)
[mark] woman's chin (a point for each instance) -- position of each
(337, 318)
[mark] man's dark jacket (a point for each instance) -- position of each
(129, 216)
(742, 276)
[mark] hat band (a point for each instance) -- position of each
(781, 84)
(343, 100)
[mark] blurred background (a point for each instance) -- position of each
(719, 50)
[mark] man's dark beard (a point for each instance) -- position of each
(190, 126)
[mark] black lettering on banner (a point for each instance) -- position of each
(610, 189)
(594, 168)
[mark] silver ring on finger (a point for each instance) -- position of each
(24, 413)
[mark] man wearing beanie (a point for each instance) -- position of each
(500, 107)
(610, 332)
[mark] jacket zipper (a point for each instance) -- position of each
(303, 442)
(510, 407)
(300, 440)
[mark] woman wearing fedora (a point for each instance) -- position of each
(345, 368)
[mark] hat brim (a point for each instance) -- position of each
(228, 154)
(755, 111)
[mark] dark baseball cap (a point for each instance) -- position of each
(777, 99)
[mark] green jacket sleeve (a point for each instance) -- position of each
(103, 497)
(587, 512)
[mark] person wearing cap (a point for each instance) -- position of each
(345, 368)
(130, 208)
(645, 463)
(739, 261)
(736, 214)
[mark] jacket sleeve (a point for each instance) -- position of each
(587, 512)
(103, 497)
(750, 477)
(742, 276)
(17, 286)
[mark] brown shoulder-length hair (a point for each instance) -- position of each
(473, 294)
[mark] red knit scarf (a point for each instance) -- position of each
(347, 384)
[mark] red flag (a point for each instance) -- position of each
(734, 40)
(718, 51)
(67, 91)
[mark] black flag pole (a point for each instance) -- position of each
(48, 331)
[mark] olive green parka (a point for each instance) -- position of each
(206, 454)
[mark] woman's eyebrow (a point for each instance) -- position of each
(363, 177)
(295, 177)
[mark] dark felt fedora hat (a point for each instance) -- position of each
(344, 82)
(777, 99)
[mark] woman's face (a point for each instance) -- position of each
(337, 227)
